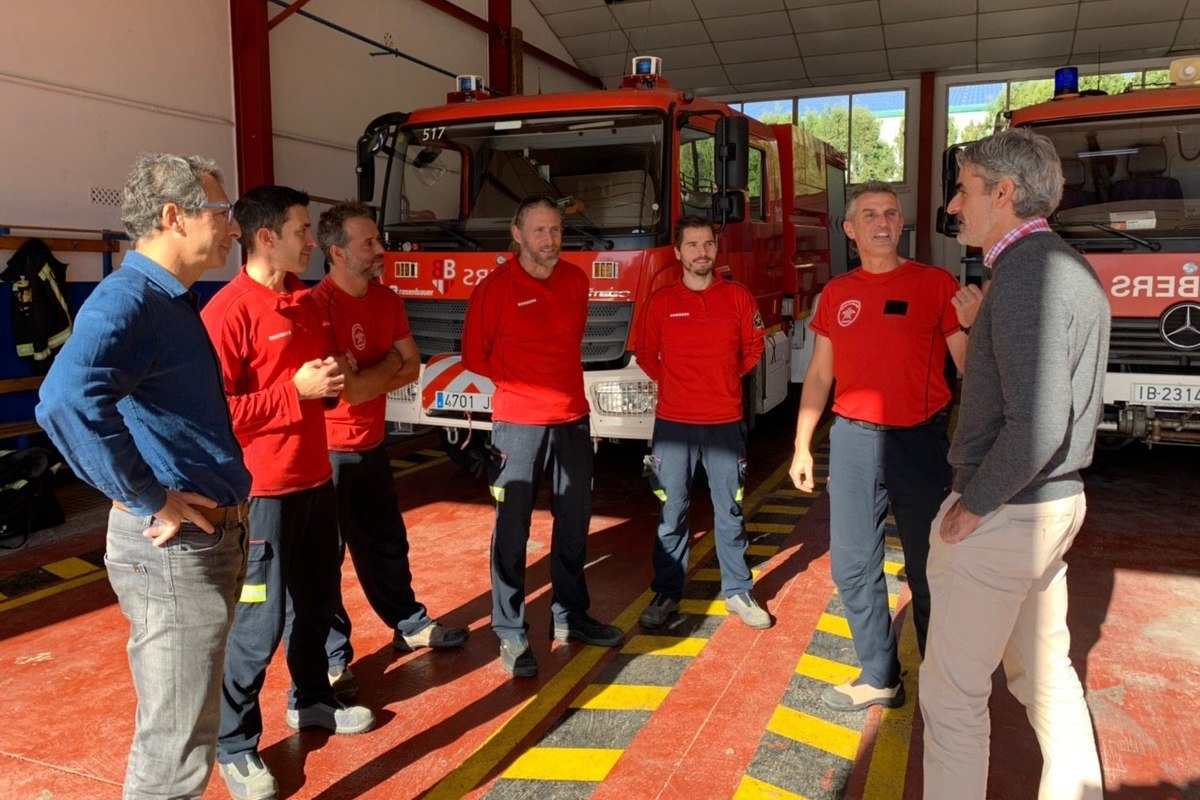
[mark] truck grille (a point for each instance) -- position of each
(1137, 346)
(437, 328)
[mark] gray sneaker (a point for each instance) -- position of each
(435, 635)
(345, 685)
(746, 607)
(337, 719)
(658, 612)
(247, 778)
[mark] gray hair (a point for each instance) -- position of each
(870, 187)
(160, 178)
(331, 231)
(1029, 159)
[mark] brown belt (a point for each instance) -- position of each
(222, 515)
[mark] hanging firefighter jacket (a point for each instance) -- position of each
(40, 318)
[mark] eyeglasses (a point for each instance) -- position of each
(226, 207)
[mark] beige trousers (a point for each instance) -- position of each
(1000, 596)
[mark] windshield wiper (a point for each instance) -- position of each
(1153, 247)
(600, 242)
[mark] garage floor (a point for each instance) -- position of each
(705, 709)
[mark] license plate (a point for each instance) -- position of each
(1166, 394)
(462, 401)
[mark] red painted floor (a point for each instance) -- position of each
(1135, 592)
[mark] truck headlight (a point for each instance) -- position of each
(629, 398)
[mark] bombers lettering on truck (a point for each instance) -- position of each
(1165, 286)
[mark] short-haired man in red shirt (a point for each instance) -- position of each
(524, 330)
(699, 336)
(883, 332)
(366, 324)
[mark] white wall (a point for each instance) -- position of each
(85, 87)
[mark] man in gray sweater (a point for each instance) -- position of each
(1031, 401)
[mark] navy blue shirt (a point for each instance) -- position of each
(134, 401)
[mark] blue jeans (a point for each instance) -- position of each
(179, 601)
(679, 448)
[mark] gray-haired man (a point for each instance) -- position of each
(136, 405)
(1031, 401)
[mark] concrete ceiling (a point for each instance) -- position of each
(720, 47)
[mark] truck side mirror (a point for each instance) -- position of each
(369, 144)
(733, 153)
(947, 224)
(729, 206)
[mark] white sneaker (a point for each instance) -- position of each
(746, 607)
(337, 719)
(247, 778)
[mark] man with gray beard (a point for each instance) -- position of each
(366, 327)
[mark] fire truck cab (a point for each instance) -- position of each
(1131, 205)
(623, 166)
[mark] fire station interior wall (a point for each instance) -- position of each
(326, 86)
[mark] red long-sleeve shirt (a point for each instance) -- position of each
(262, 338)
(697, 346)
(526, 335)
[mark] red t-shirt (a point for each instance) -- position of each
(889, 342)
(697, 346)
(262, 338)
(526, 335)
(367, 327)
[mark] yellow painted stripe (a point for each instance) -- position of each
(711, 608)
(70, 568)
(418, 467)
(618, 697)
(49, 591)
(754, 789)
(563, 764)
(822, 669)
(813, 495)
(893, 541)
(714, 574)
(893, 567)
(889, 758)
(769, 527)
(814, 732)
(664, 646)
(891, 520)
(433, 453)
(838, 626)
(778, 509)
(398, 464)
(762, 550)
(3, 596)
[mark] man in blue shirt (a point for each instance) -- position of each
(136, 405)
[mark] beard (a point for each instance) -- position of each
(699, 267)
(545, 258)
(369, 270)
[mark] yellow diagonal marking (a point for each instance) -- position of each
(619, 697)
(838, 626)
(714, 574)
(778, 509)
(711, 608)
(893, 568)
(433, 462)
(801, 492)
(754, 789)
(818, 733)
(433, 453)
(644, 645)
(70, 568)
(3, 596)
(889, 758)
(762, 550)
(25, 599)
(563, 764)
(769, 527)
(398, 464)
(893, 541)
(822, 669)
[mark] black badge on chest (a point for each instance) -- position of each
(897, 307)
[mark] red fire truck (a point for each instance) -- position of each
(1131, 205)
(623, 166)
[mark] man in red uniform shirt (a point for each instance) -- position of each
(365, 323)
(276, 376)
(883, 332)
(699, 337)
(524, 330)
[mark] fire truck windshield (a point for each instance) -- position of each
(1137, 175)
(457, 185)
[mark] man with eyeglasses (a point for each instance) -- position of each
(136, 406)
(277, 375)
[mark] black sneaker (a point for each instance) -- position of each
(516, 657)
(587, 630)
(658, 612)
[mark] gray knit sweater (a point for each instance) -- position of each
(1032, 384)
